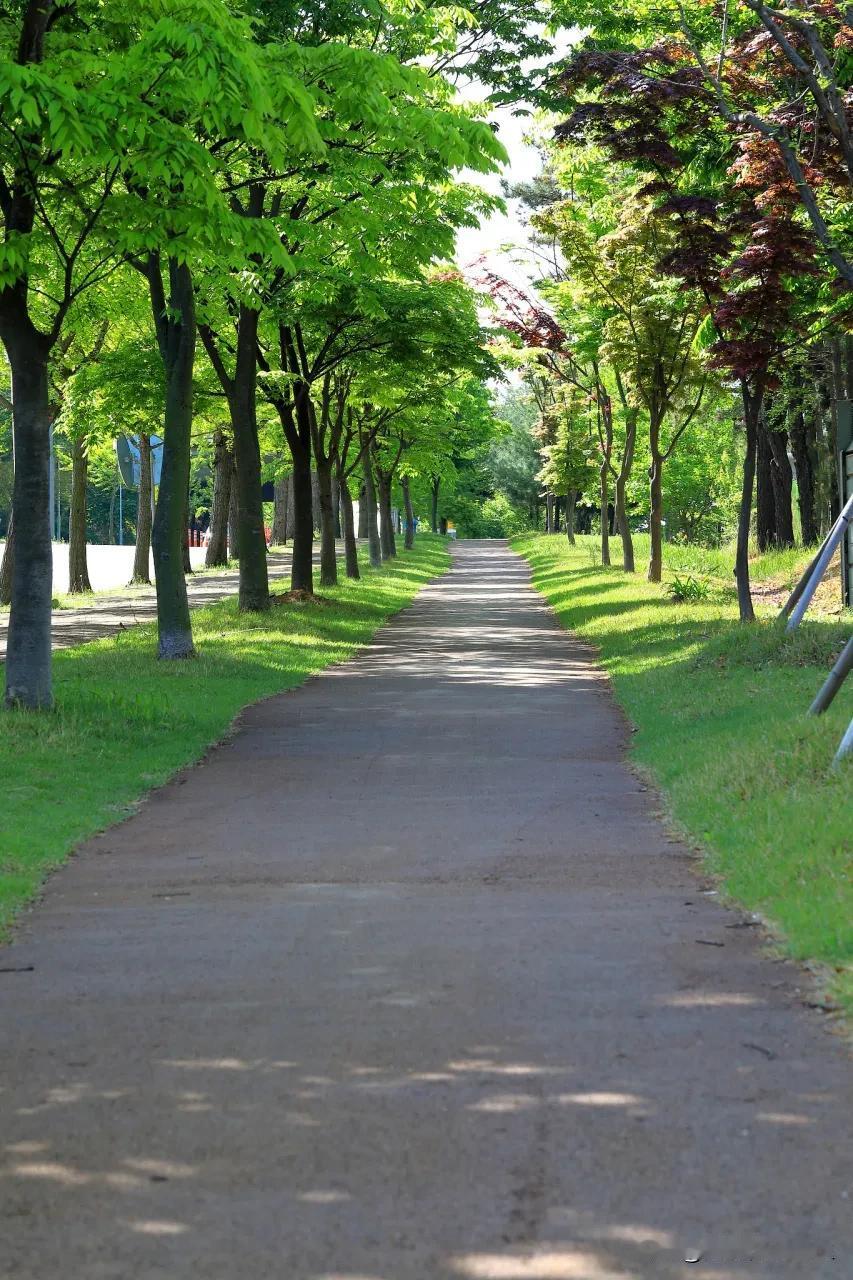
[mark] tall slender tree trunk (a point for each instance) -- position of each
(298, 432)
(604, 502)
(362, 513)
(233, 515)
(28, 656)
(178, 334)
(6, 563)
(223, 463)
(386, 520)
(374, 542)
(328, 558)
(409, 539)
(348, 528)
(751, 417)
(802, 446)
(142, 551)
(78, 568)
(765, 501)
(435, 485)
(782, 478)
(251, 535)
(336, 504)
(622, 478)
(571, 503)
(279, 512)
(549, 512)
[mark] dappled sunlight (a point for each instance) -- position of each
(545, 1263)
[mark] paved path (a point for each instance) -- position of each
(407, 982)
(103, 614)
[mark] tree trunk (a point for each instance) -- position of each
(656, 520)
(348, 529)
(28, 657)
(765, 502)
(251, 536)
(549, 512)
(751, 418)
(386, 523)
(223, 462)
(605, 512)
(328, 558)
(571, 502)
(299, 439)
(233, 521)
(783, 483)
(622, 478)
(336, 504)
(435, 485)
(279, 518)
(78, 569)
(142, 552)
(409, 540)
(362, 513)
(170, 518)
(804, 451)
(315, 501)
(6, 564)
(374, 542)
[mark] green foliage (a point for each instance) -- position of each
(687, 589)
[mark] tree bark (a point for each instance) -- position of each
(328, 558)
(281, 497)
(782, 478)
(28, 653)
(254, 580)
(622, 478)
(233, 521)
(604, 503)
(78, 569)
(176, 333)
(362, 513)
(386, 523)
(803, 437)
(549, 512)
(223, 463)
(142, 552)
(765, 501)
(348, 528)
(751, 417)
(435, 485)
(409, 539)
(374, 542)
(571, 502)
(6, 564)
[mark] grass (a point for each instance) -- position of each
(720, 715)
(125, 722)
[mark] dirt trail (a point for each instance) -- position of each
(407, 982)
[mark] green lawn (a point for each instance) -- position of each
(720, 713)
(125, 722)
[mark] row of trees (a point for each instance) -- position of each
(692, 226)
(270, 187)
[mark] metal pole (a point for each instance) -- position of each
(834, 680)
(807, 573)
(120, 515)
(838, 532)
(845, 747)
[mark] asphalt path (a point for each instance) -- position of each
(408, 981)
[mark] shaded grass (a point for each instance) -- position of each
(124, 722)
(720, 712)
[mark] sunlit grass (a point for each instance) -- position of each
(124, 722)
(720, 712)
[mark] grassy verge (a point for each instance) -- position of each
(125, 722)
(720, 713)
